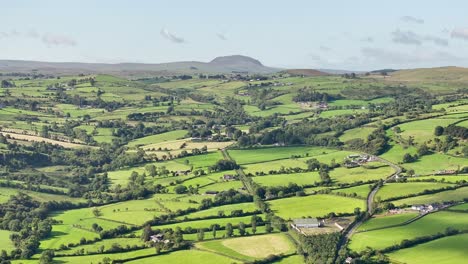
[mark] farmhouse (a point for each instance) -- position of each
(157, 238)
(229, 177)
(306, 223)
(182, 172)
(445, 172)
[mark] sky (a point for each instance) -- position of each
(351, 35)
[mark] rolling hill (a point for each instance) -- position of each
(226, 64)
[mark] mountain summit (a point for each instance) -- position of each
(235, 60)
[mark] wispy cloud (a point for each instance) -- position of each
(412, 38)
(171, 36)
(221, 36)
(9, 34)
(461, 33)
(368, 39)
(50, 39)
(412, 19)
(57, 40)
(406, 37)
(390, 57)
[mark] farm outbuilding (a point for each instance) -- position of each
(306, 223)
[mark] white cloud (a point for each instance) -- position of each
(461, 33)
(412, 38)
(172, 37)
(221, 36)
(57, 40)
(412, 19)
(368, 39)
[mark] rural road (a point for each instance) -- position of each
(370, 203)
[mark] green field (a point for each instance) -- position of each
(345, 175)
(446, 196)
(314, 205)
(430, 224)
(361, 191)
(393, 190)
(168, 136)
(308, 178)
(381, 221)
(252, 247)
(186, 256)
(5, 242)
(447, 250)
(250, 156)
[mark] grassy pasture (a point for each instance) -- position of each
(430, 224)
(274, 165)
(455, 195)
(5, 242)
(423, 130)
(121, 176)
(307, 178)
(107, 243)
(381, 221)
(392, 190)
(168, 136)
(361, 191)
(207, 223)
(22, 137)
(294, 259)
(314, 205)
(222, 186)
(332, 113)
(345, 175)
(249, 156)
(5, 194)
(432, 163)
(445, 178)
(251, 247)
(186, 256)
(447, 250)
(359, 132)
(226, 209)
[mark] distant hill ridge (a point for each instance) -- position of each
(225, 64)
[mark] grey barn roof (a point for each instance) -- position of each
(306, 221)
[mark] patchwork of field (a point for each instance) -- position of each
(132, 198)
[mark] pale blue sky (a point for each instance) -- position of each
(359, 34)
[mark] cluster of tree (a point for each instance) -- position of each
(321, 248)
(231, 112)
(308, 94)
(27, 218)
(223, 165)
(7, 84)
(452, 130)
(376, 142)
(269, 192)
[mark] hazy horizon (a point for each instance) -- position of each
(360, 35)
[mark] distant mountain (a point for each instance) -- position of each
(226, 64)
(448, 75)
(305, 72)
(339, 72)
